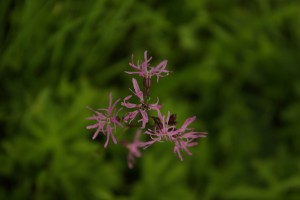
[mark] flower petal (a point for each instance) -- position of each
(130, 116)
(99, 114)
(92, 126)
(147, 144)
(132, 72)
(129, 105)
(177, 150)
(145, 64)
(116, 121)
(186, 123)
(127, 98)
(155, 106)
(138, 92)
(161, 67)
(194, 135)
(184, 147)
(96, 133)
(144, 118)
(113, 106)
(108, 135)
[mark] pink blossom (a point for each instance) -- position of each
(185, 138)
(143, 107)
(106, 122)
(165, 130)
(146, 71)
(133, 148)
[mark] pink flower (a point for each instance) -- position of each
(165, 130)
(133, 148)
(143, 107)
(107, 122)
(185, 138)
(146, 71)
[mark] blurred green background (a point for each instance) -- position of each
(236, 67)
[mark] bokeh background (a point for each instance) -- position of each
(235, 66)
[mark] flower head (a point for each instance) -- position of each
(106, 121)
(165, 130)
(146, 71)
(143, 107)
(185, 138)
(133, 148)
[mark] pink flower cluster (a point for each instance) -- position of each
(139, 114)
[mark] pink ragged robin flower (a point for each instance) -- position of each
(185, 137)
(106, 122)
(143, 107)
(146, 71)
(165, 130)
(133, 148)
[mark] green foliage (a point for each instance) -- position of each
(235, 66)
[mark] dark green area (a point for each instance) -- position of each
(235, 66)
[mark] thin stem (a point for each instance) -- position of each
(147, 86)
